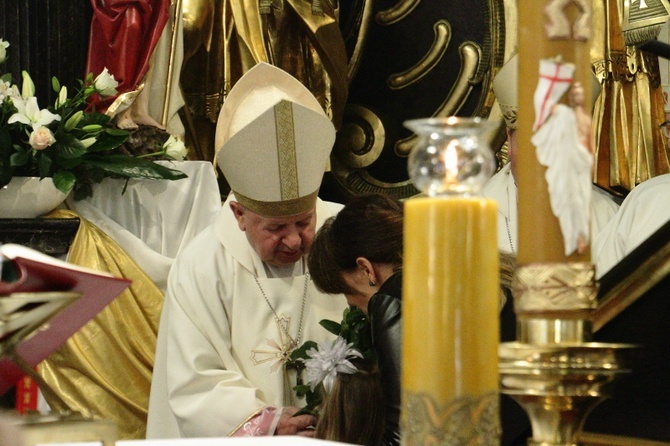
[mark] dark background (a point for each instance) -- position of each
(47, 38)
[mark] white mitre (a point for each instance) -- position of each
(272, 142)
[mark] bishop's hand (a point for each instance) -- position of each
(295, 425)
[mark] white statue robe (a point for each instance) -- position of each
(217, 360)
(502, 188)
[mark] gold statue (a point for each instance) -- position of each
(224, 38)
(629, 144)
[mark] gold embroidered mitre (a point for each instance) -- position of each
(272, 142)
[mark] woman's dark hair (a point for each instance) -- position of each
(353, 411)
(370, 226)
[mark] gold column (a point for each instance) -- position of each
(553, 370)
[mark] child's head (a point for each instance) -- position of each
(353, 411)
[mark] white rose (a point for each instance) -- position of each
(175, 149)
(41, 138)
(3, 50)
(105, 84)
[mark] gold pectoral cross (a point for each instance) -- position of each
(280, 352)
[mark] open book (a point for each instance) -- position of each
(44, 301)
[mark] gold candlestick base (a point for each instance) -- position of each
(557, 385)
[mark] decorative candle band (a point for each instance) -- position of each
(547, 287)
(462, 421)
(543, 329)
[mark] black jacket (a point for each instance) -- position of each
(384, 313)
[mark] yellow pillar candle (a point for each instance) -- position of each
(450, 320)
(449, 376)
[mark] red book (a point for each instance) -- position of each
(46, 302)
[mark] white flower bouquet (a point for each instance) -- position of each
(67, 141)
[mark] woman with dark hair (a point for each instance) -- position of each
(359, 253)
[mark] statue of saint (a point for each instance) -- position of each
(140, 43)
(629, 144)
(224, 38)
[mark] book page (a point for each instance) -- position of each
(12, 251)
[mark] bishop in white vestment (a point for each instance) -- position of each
(239, 298)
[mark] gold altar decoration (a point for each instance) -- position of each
(449, 378)
(223, 39)
(629, 144)
(553, 370)
(104, 370)
(21, 314)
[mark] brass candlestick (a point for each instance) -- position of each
(554, 371)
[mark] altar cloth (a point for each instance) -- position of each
(153, 219)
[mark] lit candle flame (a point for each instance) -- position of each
(451, 164)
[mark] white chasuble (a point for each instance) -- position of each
(220, 346)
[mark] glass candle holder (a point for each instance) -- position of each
(451, 292)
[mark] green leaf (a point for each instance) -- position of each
(44, 163)
(64, 180)
(106, 142)
(97, 119)
(5, 140)
(82, 190)
(331, 326)
(20, 158)
(68, 147)
(303, 388)
(6, 175)
(129, 167)
(301, 352)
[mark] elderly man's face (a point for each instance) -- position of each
(279, 241)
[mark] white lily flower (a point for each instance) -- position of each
(29, 113)
(105, 84)
(3, 50)
(5, 91)
(328, 360)
(62, 96)
(175, 148)
(88, 142)
(28, 89)
(14, 92)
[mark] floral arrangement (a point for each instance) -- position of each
(323, 361)
(66, 141)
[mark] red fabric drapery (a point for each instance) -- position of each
(123, 36)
